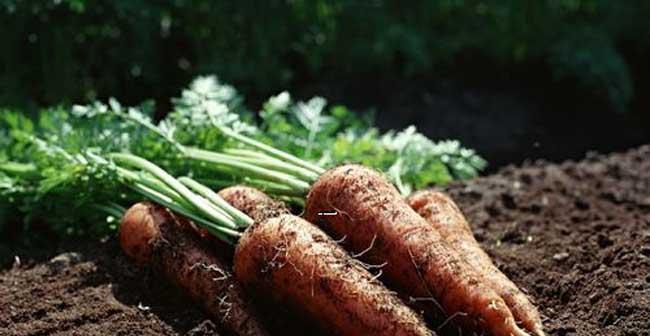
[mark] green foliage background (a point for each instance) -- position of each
(76, 50)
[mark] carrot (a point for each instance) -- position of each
(442, 213)
(303, 268)
(260, 207)
(150, 234)
(363, 197)
(374, 218)
(298, 265)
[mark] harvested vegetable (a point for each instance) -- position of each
(444, 215)
(282, 249)
(260, 207)
(205, 208)
(150, 234)
(299, 265)
(374, 218)
(304, 268)
(230, 148)
(474, 305)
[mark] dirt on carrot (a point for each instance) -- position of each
(298, 265)
(260, 207)
(442, 213)
(177, 252)
(253, 202)
(304, 269)
(374, 218)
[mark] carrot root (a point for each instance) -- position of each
(419, 262)
(298, 265)
(176, 251)
(443, 214)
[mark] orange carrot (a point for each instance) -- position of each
(373, 217)
(300, 267)
(443, 214)
(254, 203)
(150, 234)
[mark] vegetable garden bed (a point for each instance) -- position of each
(576, 236)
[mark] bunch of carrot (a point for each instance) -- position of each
(304, 270)
(301, 268)
(276, 253)
(281, 258)
(422, 245)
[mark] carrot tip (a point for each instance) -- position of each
(539, 332)
(520, 332)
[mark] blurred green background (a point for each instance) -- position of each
(78, 50)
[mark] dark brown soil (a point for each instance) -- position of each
(576, 236)
(94, 291)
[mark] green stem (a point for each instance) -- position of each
(270, 150)
(299, 167)
(153, 184)
(266, 161)
(164, 189)
(221, 232)
(246, 169)
(199, 203)
(239, 217)
(265, 186)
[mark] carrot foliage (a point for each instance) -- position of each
(84, 164)
(77, 175)
(329, 135)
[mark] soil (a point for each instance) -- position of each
(575, 236)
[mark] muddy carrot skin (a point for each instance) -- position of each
(299, 266)
(150, 234)
(260, 207)
(374, 218)
(443, 214)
